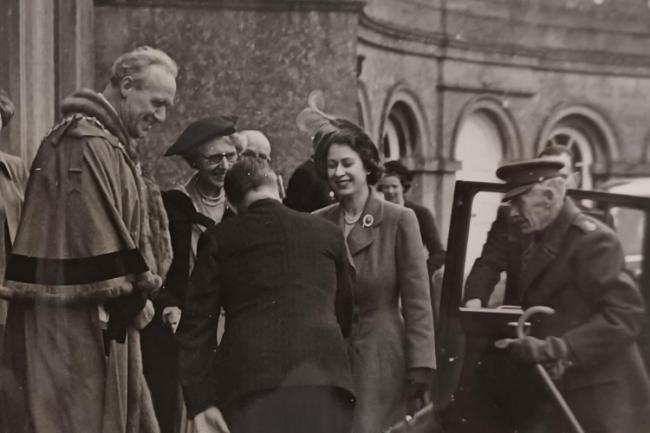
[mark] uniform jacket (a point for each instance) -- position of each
(387, 252)
(283, 279)
(502, 251)
(577, 268)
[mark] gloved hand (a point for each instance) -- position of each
(553, 352)
(418, 387)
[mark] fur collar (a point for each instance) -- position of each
(93, 104)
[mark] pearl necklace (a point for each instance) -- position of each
(210, 201)
(351, 221)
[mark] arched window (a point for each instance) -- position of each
(579, 143)
(400, 134)
(590, 137)
(479, 147)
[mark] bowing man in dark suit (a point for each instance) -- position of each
(283, 278)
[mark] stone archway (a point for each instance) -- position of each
(588, 134)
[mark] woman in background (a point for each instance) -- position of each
(396, 182)
(392, 349)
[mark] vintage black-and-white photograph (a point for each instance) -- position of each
(324, 216)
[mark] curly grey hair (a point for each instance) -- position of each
(135, 61)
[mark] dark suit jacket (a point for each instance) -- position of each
(430, 236)
(307, 190)
(283, 279)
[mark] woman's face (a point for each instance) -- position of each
(392, 189)
(213, 159)
(345, 171)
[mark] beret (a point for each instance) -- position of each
(200, 131)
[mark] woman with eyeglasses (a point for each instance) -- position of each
(209, 146)
(392, 342)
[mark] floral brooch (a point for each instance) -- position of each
(367, 220)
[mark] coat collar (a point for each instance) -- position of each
(4, 166)
(549, 243)
(93, 104)
(365, 231)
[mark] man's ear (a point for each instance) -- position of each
(127, 84)
(549, 194)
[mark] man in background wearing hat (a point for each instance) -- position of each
(91, 247)
(575, 265)
(505, 243)
(209, 146)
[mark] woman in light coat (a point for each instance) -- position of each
(392, 338)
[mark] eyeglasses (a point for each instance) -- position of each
(258, 155)
(217, 158)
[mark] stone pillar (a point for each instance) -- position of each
(75, 54)
(47, 52)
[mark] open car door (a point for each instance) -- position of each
(464, 335)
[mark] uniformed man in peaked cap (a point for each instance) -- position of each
(575, 265)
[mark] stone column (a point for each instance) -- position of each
(47, 48)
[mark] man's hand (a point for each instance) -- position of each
(553, 352)
(171, 316)
(474, 303)
(144, 316)
(210, 421)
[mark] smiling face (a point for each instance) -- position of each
(391, 187)
(345, 171)
(213, 159)
(145, 100)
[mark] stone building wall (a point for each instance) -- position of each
(258, 62)
(530, 65)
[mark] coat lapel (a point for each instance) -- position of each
(366, 230)
(546, 249)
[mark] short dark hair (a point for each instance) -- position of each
(247, 175)
(556, 150)
(353, 136)
(396, 168)
(7, 108)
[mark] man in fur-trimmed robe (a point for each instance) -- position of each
(91, 248)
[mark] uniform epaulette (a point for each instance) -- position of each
(585, 223)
